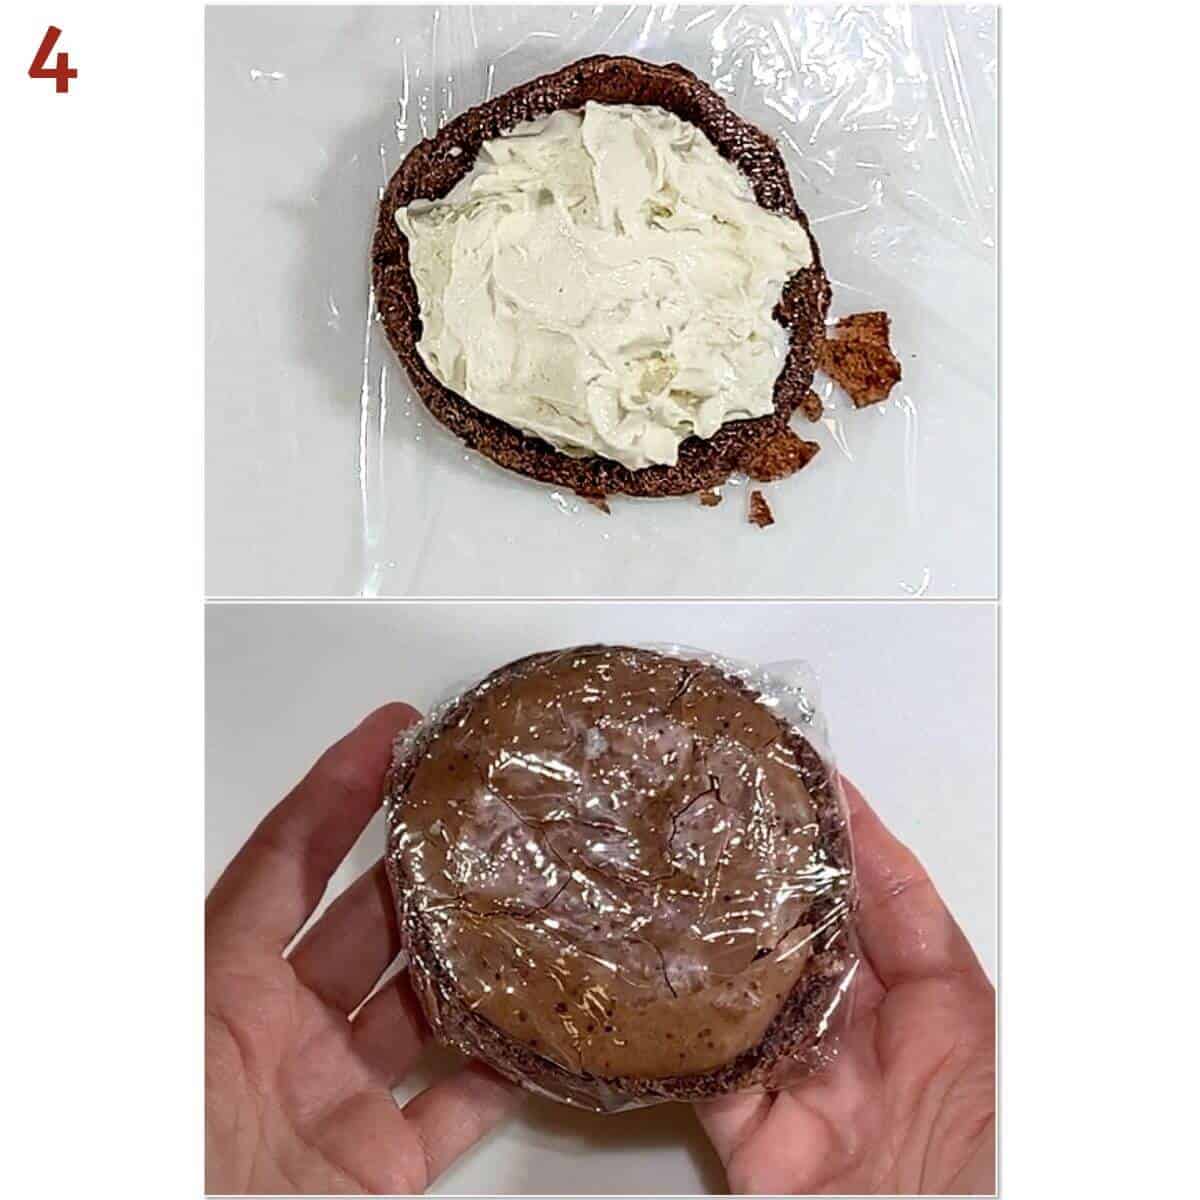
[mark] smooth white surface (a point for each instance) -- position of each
(325, 475)
(908, 689)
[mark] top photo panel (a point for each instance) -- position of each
(601, 301)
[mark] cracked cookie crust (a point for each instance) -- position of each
(620, 875)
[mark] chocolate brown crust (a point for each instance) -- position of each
(811, 406)
(759, 512)
(795, 1033)
(782, 456)
(857, 355)
(436, 164)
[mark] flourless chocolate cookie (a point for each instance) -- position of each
(435, 165)
(621, 876)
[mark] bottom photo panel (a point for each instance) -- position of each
(601, 898)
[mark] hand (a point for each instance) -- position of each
(908, 1105)
(298, 1075)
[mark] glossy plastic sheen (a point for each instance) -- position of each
(624, 875)
(885, 118)
(333, 477)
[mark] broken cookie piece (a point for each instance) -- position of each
(856, 355)
(811, 406)
(710, 498)
(760, 511)
(782, 456)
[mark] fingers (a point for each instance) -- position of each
(278, 877)
(797, 1140)
(736, 1122)
(343, 955)
(367, 1146)
(389, 1031)
(453, 1114)
(380, 1149)
(905, 929)
(730, 1121)
(817, 1131)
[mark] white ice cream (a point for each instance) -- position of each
(604, 280)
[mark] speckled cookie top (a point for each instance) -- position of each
(614, 856)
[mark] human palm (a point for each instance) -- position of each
(908, 1104)
(298, 1092)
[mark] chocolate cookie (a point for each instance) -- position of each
(621, 877)
(435, 165)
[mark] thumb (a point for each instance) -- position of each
(904, 926)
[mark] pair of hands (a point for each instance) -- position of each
(299, 1070)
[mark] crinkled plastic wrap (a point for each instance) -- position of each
(623, 875)
(334, 477)
(885, 118)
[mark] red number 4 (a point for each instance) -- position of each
(63, 71)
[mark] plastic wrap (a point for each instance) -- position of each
(624, 875)
(332, 476)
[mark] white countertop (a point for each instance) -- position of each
(908, 689)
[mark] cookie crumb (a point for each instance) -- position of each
(856, 355)
(782, 456)
(811, 406)
(599, 502)
(710, 498)
(760, 511)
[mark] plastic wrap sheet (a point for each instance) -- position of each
(886, 119)
(624, 875)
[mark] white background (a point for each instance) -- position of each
(327, 477)
(908, 690)
(102, 680)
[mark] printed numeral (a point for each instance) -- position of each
(62, 72)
